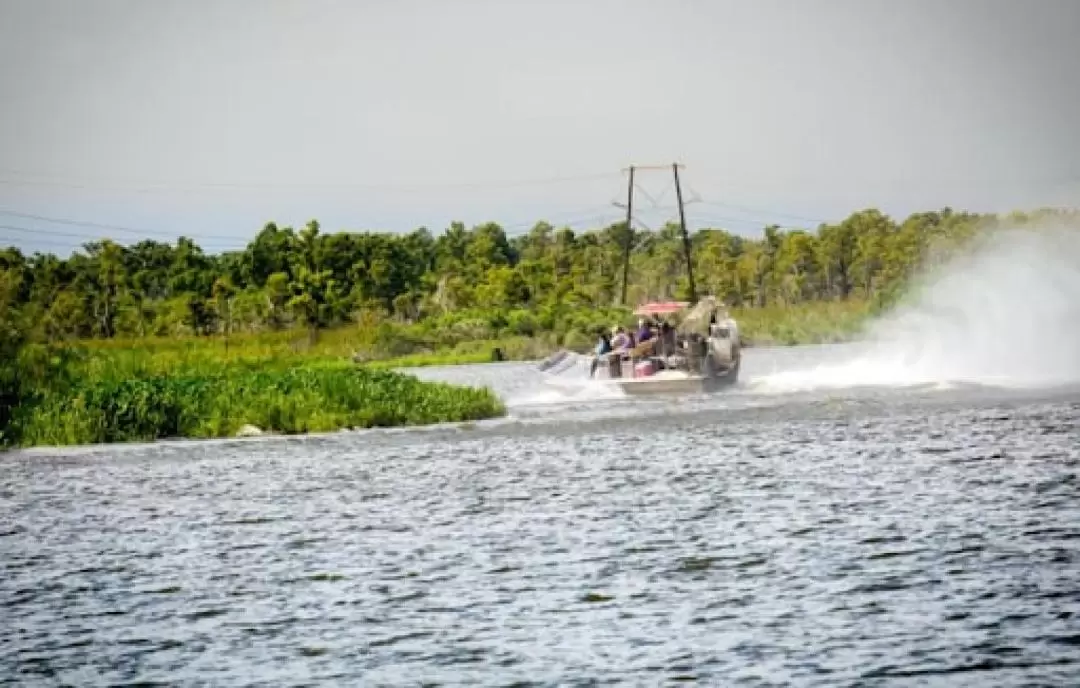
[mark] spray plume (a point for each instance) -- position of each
(1004, 313)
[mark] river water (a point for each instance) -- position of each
(798, 530)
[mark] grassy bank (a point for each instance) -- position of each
(473, 340)
(812, 323)
(112, 405)
(137, 357)
(102, 391)
(149, 388)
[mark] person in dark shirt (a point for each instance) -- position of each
(667, 339)
(603, 347)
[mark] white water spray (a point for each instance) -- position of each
(1006, 314)
(568, 382)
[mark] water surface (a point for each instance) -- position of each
(881, 536)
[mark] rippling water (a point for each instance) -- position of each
(851, 537)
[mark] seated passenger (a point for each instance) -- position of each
(644, 331)
(603, 347)
(620, 342)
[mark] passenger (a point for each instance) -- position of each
(603, 347)
(644, 331)
(620, 342)
(667, 339)
(620, 346)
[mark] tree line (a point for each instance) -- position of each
(287, 278)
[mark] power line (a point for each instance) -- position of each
(590, 215)
(582, 215)
(655, 206)
(711, 217)
(138, 187)
(761, 211)
(108, 227)
(30, 230)
(49, 232)
(590, 212)
(695, 197)
(52, 237)
(47, 239)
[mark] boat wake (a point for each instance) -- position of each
(1005, 315)
(565, 379)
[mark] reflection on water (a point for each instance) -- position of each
(825, 538)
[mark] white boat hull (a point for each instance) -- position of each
(664, 382)
(675, 382)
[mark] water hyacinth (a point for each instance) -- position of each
(218, 401)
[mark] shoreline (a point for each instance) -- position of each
(230, 400)
(167, 442)
(488, 405)
(419, 361)
(288, 382)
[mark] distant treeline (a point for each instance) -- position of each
(311, 279)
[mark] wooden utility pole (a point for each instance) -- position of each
(629, 237)
(630, 232)
(685, 235)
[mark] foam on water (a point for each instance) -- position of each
(1005, 314)
(567, 383)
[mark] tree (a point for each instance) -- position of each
(223, 292)
(534, 281)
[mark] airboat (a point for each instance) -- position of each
(701, 353)
(694, 345)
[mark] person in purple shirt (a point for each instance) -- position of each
(644, 331)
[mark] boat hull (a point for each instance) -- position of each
(675, 384)
(669, 383)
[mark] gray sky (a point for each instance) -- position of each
(210, 117)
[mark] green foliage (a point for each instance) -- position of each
(12, 338)
(810, 323)
(475, 284)
(115, 341)
(419, 295)
(216, 401)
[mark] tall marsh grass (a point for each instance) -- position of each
(819, 322)
(150, 388)
(216, 401)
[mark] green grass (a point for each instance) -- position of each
(813, 323)
(198, 387)
(278, 396)
(389, 345)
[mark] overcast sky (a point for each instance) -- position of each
(210, 118)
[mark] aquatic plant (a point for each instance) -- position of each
(811, 323)
(218, 402)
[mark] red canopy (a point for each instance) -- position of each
(661, 307)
